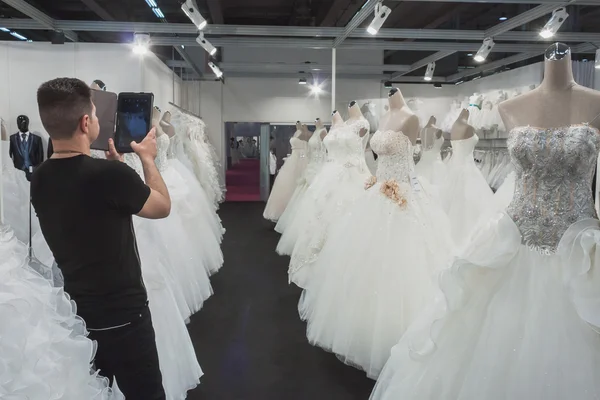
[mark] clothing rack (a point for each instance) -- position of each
(183, 110)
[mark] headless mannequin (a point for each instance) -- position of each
(165, 124)
(3, 133)
(557, 102)
(430, 134)
(336, 118)
(355, 114)
(321, 130)
(156, 121)
(400, 118)
(95, 86)
(305, 134)
(461, 129)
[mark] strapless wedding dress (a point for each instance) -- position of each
(518, 318)
(431, 167)
(375, 273)
(287, 180)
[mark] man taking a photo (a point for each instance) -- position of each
(85, 207)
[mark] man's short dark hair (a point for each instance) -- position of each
(62, 103)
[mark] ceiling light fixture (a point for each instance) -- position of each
(437, 85)
(597, 62)
(191, 10)
(216, 70)
(469, 54)
(4, 29)
(316, 89)
(484, 50)
(459, 82)
(302, 81)
(387, 85)
(429, 71)
(158, 12)
(503, 17)
(381, 14)
(141, 43)
(210, 49)
(18, 36)
(554, 23)
(151, 3)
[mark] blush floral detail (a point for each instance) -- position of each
(391, 189)
(370, 182)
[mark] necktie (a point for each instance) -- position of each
(24, 136)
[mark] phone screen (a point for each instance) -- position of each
(134, 119)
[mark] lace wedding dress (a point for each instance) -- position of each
(334, 189)
(317, 155)
(45, 352)
(15, 196)
(519, 318)
(375, 273)
(287, 180)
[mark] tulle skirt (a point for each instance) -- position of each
(16, 202)
(332, 192)
(512, 323)
(45, 350)
(374, 276)
(371, 162)
(285, 185)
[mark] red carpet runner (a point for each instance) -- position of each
(243, 181)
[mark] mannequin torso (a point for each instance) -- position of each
(461, 129)
(430, 134)
(165, 124)
(400, 118)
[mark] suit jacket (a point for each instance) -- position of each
(36, 150)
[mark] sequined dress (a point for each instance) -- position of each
(317, 154)
(375, 273)
(287, 180)
(334, 189)
(519, 316)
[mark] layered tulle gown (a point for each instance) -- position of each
(339, 183)
(317, 155)
(375, 273)
(287, 180)
(430, 166)
(45, 352)
(466, 195)
(519, 316)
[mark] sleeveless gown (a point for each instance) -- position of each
(519, 315)
(45, 350)
(316, 158)
(334, 189)
(431, 167)
(287, 180)
(375, 273)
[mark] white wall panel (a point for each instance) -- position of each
(158, 79)
(211, 111)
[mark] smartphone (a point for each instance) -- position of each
(134, 119)
(106, 111)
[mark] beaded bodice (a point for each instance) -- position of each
(395, 161)
(344, 143)
(317, 152)
(162, 147)
(462, 150)
(554, 169)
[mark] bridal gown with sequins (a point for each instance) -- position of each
(334, 189)
(375, 273)
(44, 349)
(287, 180)
(316, 158)
(519, 315)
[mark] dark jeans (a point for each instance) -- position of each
(129, 354)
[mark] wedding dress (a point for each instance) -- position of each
(334, 189)
(316, 158)
(15, 196)
(287, 179)
(44, 346)
(375, 273)
(430, 166)
(519, 318)
(466, 195)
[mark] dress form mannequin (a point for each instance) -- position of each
(400, 118)
(558, 101)
(165, 124)
(156, 121)
(461, 129)
(305, 134)
(298, 126)
(336, 118)
(3, 133)
(430, 133)
(355, 114)
(320, 128)
(95, 86)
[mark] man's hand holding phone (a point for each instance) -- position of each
(146, 149)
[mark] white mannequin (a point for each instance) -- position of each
(558, 101)
(430, 133)
(355, 114)
(336, 118)
(165, 124)
(3, 133)
(321, 130)
(400, 118)
(156, 121)
(305, 134)
(298, 126)
(461, 129)
(476, 100)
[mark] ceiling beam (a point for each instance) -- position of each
(216, 12)
(43, 19)
(522, 19)
(98, 10)
(188, 60)
(310, 68)
(555, 2)
(366, 11)
(423, 62)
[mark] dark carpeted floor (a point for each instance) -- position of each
(248, 337)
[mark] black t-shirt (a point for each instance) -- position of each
(85, 208)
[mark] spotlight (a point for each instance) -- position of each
(381, 14)
(387, 85)
(437, 85)
(191, 10)
(4, 29)
(215, 69)
(316, 89)
(459, 82)
(210, 49)
(503, 17)
(484, 50)
(554, 23)
(158, 12)
(302, 81)
(469, 54)
(18, 36)
(151, 3)
(429, 72)
(141, 42)
(479, 76)
(597, 62)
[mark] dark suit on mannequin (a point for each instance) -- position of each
(26, 149)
